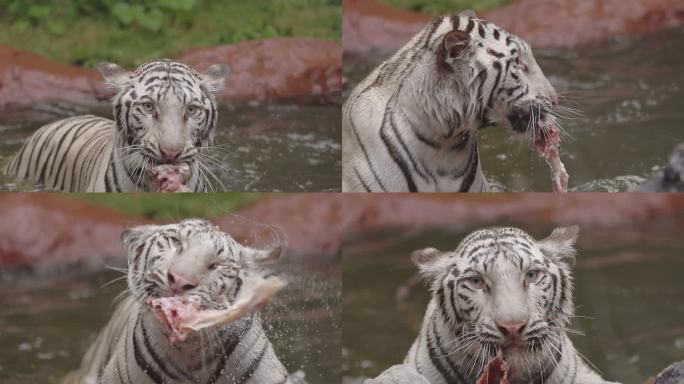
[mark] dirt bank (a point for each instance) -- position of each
(260, 70)
(369, 25)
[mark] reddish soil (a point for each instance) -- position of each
(260, 70)
(369, 25)
(274, 68)
(370, 212)
(47, 230)
(42, 231)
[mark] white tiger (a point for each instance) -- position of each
(411, 124)
(500, 290)
(188, 259)
(164, 113)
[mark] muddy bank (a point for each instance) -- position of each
(260, 70)
(369, 25)
(367, 212)
(51, 231)
(47, 232)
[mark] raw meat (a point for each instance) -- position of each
(495, 372)
(182, 316)
(546, 143)
(171, 177)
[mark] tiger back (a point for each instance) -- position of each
(67, 155)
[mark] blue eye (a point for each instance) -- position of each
(533, 275)
(476, 282)
(148, 107)
(192, 109)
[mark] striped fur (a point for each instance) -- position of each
(134, 349)
(164, 112)
(411, 124)
(495, 276)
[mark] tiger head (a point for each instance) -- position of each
(165, 111)
(498, 71)
(501, 290)
(190, 259)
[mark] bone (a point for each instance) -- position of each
(259, 295)
(181, 316)
(171, 177)
(546, 144)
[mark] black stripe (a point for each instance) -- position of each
(140, 359)
(363, 182)
(405, 148)
(394, 153)
(471, 25)
(157, 359)
(254, 366)
(470, 177)
(365, 153)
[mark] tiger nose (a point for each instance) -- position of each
(511, 329)
(179, 283)
(170, 154)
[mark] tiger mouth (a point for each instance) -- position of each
(170, 177)
(524, 119)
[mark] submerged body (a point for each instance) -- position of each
(187, 262)
(500, 293)
(410, 125)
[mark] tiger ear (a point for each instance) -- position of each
(214, 77)
(428, 261)
(132, 237)
(560, 243)
(468, 13)
(455, 44)
(261, 257)
(114, 76)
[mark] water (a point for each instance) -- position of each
(628, 282)
(630, 92)
(46, 326)
(266, 147)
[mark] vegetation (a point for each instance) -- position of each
(173, 206)
(436, 7)
(130, 32)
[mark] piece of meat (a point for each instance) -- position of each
(546, 143)
(182, 316)
(495, 372)
(174, 311)
(170, 177)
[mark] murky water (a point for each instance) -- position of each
(628, 282)
(269, 147)
(630, 93)
(46, 326)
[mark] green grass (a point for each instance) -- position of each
(436, 7)
(68, 36)
(172, 206)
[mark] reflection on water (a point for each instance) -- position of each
(628, 285)
(46, 327)
(269, 147)
(630, 93)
